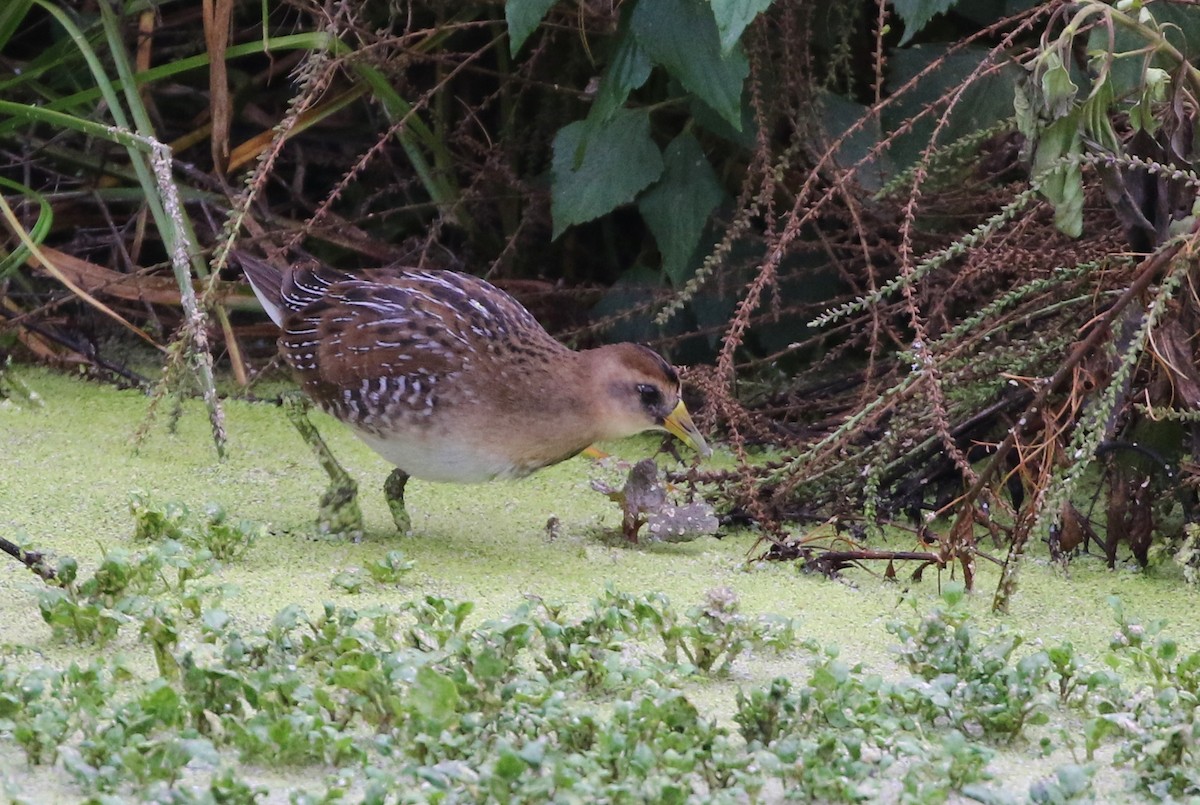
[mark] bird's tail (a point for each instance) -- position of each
(267, 283)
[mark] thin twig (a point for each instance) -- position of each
(34, 560)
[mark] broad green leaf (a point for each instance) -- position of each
(628, 70)
(1178, 23)
(987, 101)
(917, 14)
(682, 36)
(733, 16)
(600, 165)
(523, 17)
(837, 116)
(635, 285)
(986, 12)
(1055, 142)
(434, 695)
(677, 207)
(1062, 187)
(1058, 90)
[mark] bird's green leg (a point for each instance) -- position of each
(339, 512)
(393, 492)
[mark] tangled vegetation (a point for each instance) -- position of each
(409, 703)
(939, 259)
(932, 265)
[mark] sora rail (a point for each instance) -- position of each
(451, 379)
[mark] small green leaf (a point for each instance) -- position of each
(215, 620)
(534, 753)
(733, 16)
(917, 14)
(348, 581)
(1074, 779)
(953, 593)
(682, 36)
(1027, 119)
(67, 570)
(1154, 91)
(523, 16)
(162, 702)
(600, 165)
(678, 206)
(509, 765)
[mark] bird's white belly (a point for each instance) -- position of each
(440, 457)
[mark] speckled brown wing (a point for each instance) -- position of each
(378, 347)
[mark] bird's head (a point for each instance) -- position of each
(635, 390)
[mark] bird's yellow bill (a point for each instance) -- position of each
(679, 423)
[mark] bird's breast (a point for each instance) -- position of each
(447, 458)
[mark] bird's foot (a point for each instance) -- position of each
(340, 513)
(393, 492)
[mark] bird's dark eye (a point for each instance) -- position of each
(651, 396)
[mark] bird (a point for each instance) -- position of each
(450, 379)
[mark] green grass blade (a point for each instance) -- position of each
(37, 233)
(11, 14)
(440, 189)
(416, 135)
(21, 114)
(174, 225)
(306, 41)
